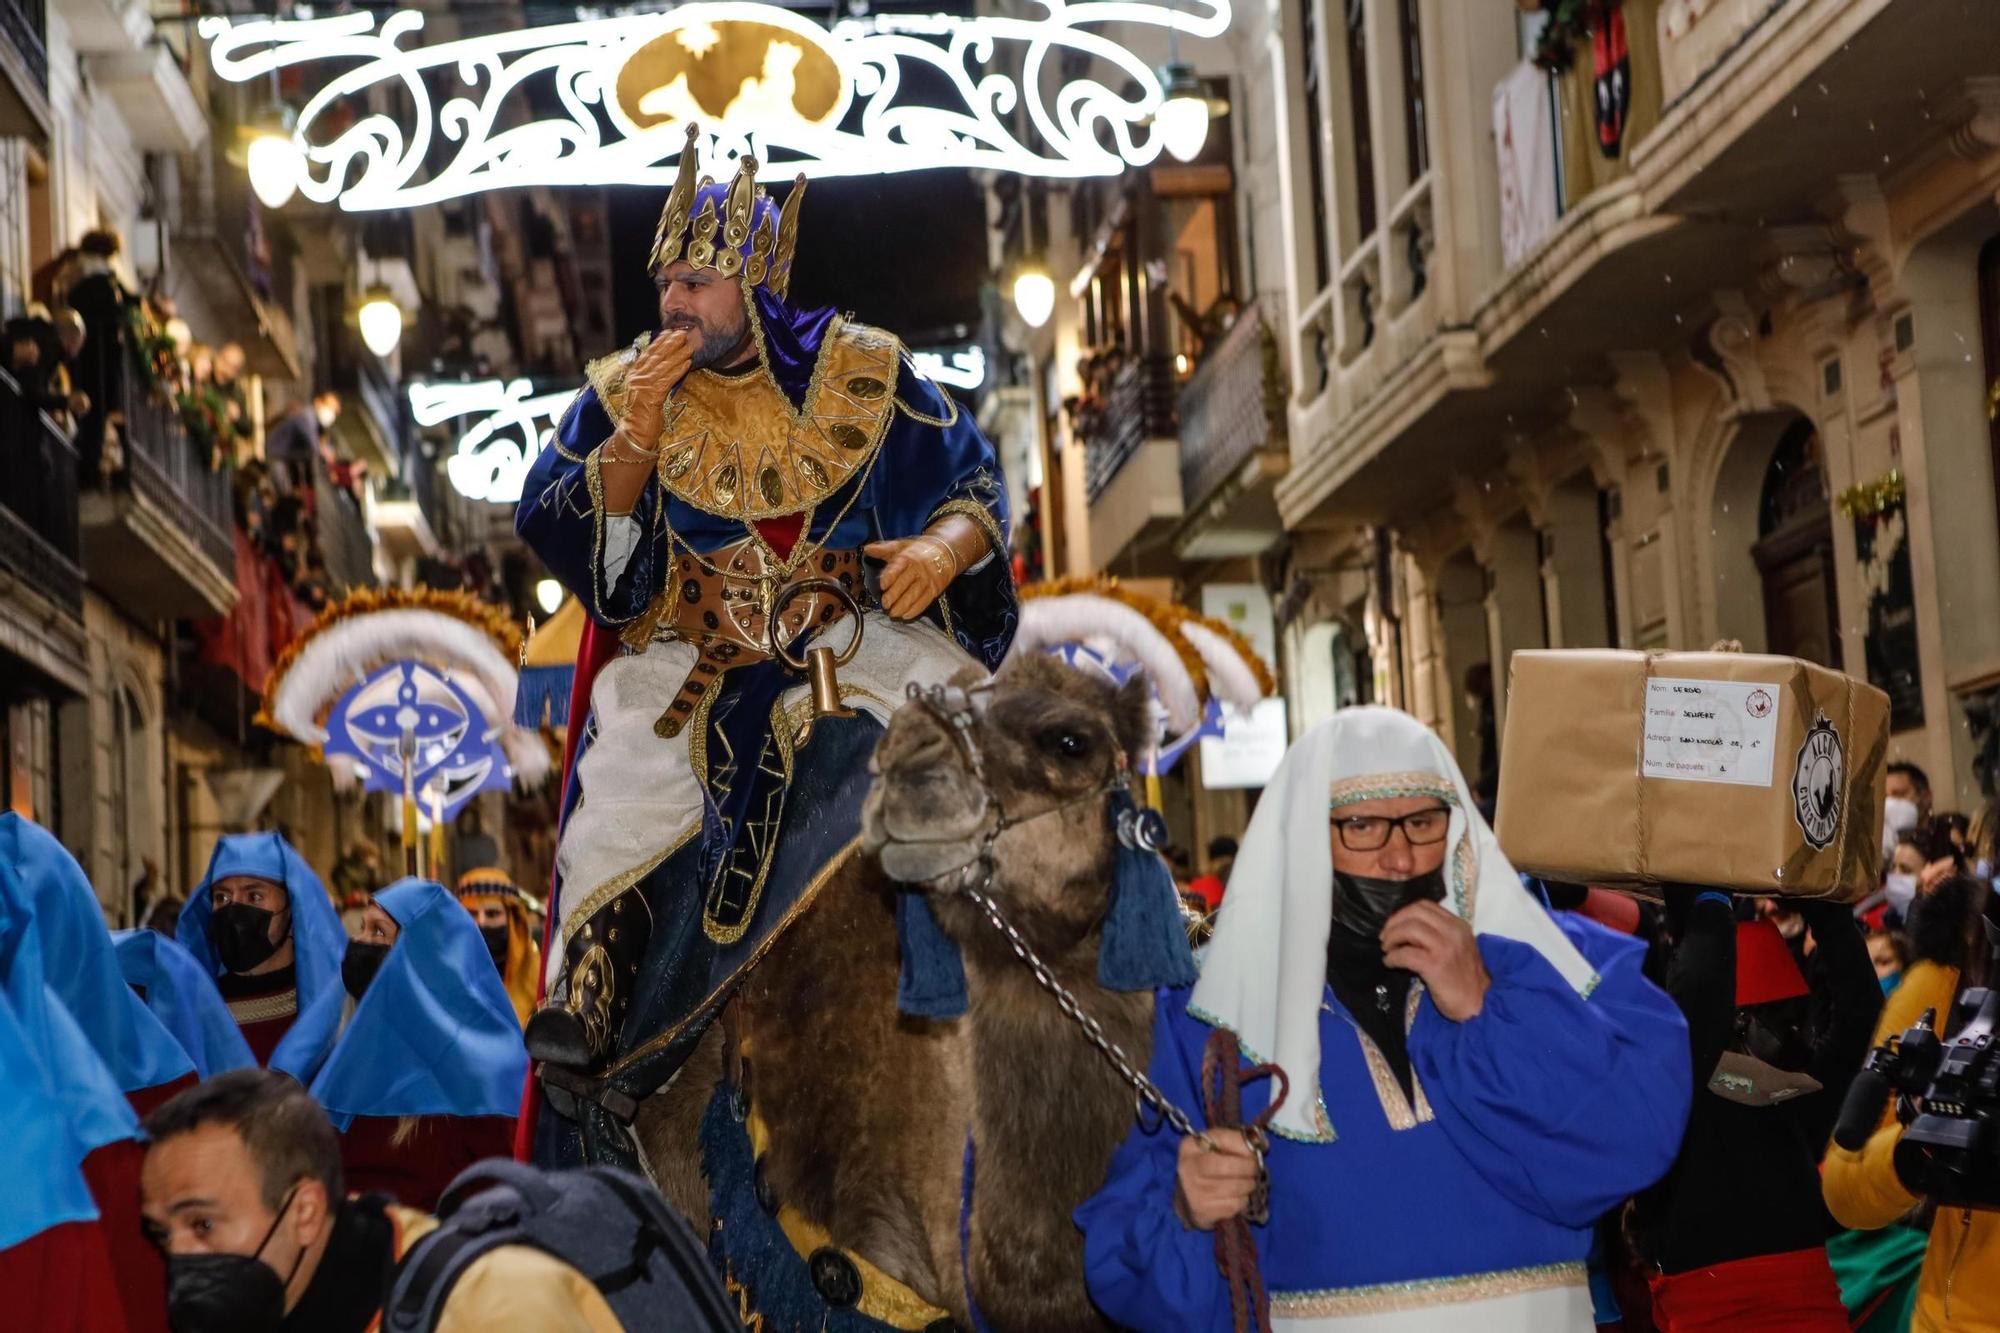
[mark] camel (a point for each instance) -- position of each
(867, 1114)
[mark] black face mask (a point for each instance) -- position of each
(228, 1293)
(496, 943)
(362, 962)
(1362, 906)
(241, 935)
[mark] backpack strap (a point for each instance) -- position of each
(428, 1273)
(675, 1240)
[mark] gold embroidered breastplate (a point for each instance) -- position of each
(735, 446)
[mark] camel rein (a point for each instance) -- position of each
(1222, 1071)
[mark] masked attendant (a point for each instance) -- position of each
(1737, 1229)
(180, 993)
(427, 1075)
(46, 951)
(501, 910)
(261, 924)
(1472, 1083)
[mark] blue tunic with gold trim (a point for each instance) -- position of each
(1468, 1205)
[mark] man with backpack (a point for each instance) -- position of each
(241, 1190)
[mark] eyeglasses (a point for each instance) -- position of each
(1370, 833)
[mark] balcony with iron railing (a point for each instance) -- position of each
(1131, 468)
(1232, 443)
(1137, 404)
(157, 521)
(23, 29)
(345, 543)
(39, 543)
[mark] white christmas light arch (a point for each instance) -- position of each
(1001, 72)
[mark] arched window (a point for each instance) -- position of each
(1794, 551)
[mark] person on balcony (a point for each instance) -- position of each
(98, 295)
(262, 925)
(426, 1076)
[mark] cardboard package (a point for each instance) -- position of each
(1758, 775)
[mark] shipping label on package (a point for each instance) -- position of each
(1709, 731)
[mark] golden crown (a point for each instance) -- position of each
(747, 217)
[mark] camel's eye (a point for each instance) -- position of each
(1064, 743)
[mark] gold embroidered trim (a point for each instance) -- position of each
(979, 514)
(616, 885)
(593, 477)
(1398, 1109)
(562, 423)
(929, 420)
(782, 737)
(1380, 786)
(812, 891)
(264, 1008)
(1424, 1293)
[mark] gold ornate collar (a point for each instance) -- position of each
(735, 445)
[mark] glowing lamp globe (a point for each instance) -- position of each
(1182, 120)
(549, 594)
(275, 165)
(381, 321)
(1035, 297)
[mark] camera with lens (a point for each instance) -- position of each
(1948, 1096)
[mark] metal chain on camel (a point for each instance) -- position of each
(1223, 1077)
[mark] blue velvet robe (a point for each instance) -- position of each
(1546, 1110)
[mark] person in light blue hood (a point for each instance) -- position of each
(44, 892)
(426, 1077)
(262, 925)
(179, 992)
(47, 951)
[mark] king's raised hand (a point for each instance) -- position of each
(659, 367)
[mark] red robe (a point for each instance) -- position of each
(148, 1100)
(415, 1172)
(62, 1281)
(138, 1274)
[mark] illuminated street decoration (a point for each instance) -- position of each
(493, 456)
(512, 423)
(757, 79)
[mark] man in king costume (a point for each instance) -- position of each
(750, 483)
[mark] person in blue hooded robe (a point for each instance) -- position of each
(261, 924)
(750, 482)
(35, 967)
(55, 1266)
(180, 993)
(427, 1073)
(41, 881)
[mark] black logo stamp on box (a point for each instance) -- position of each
(1819, 780)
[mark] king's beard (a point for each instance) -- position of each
(714, 344)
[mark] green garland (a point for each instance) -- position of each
(1568, 25)
(1869, 498)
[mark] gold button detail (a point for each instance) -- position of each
(771, 486)
(866, 386)
(848, 437)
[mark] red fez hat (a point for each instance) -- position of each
(1765, 970)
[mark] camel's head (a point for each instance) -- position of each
(1050, 741)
